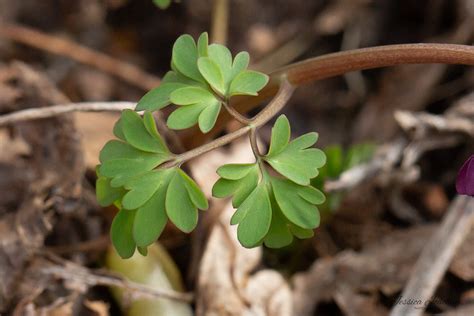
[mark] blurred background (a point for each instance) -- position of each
(398, 137)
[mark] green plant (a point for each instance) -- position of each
(338, 161)
(162, 4)
(145, 180)
(140, 175)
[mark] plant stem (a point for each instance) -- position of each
(220, 21)
(253, 143)
(236, 115)
(336, 64)
(283, 95)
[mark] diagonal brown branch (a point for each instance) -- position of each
(125, 71)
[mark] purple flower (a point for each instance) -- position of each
(465, 180)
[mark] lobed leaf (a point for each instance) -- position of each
(158, 97)
(121, 233)
(184, 57)
(248, 83)
(294, 159)
(185, 116)
(212, 73)
(208, 117)
(151, 218)
(241, 62)
(254, 216)
(297, 209)
(106, 194)
(137, 135)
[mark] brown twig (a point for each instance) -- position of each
(436, 257)
(73, 272)
(60, 46)
(421, 122)
(39, 113)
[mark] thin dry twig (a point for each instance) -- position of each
(40, 113)
(436, 257)
(73, 272)
(424, 121)
(60, 46)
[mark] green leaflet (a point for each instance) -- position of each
(294, 159)
(151, 218)
(212, 73)
(158, 97)
(106, 194)
(280, 135)
(184, 57)
(208, 117)
(295, 205)
(121, 233)
(254, 216)
(248, 83)
(235, 171)
(231, 184)
(191, 95)
(194, 192)
(197, 105)
(185, 116)
(241, 62)
(141, 189)
(202, 44)
(179, 206)
(279, 234)
(137, 134)
(269, 209)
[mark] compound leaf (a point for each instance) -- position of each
(294, 160)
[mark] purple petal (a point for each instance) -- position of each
(465, 180)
